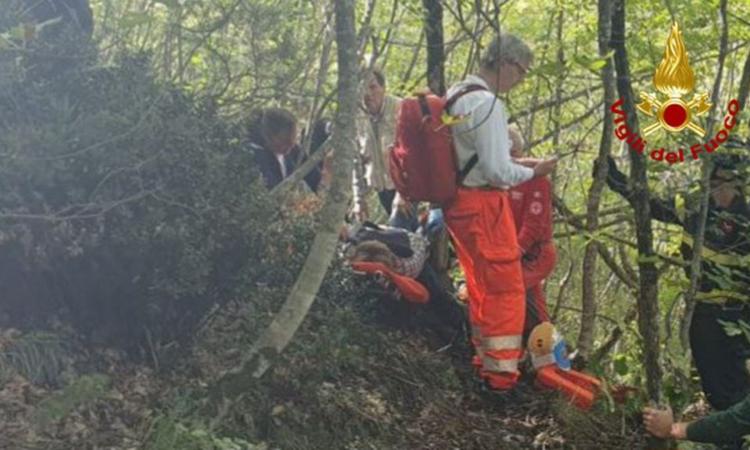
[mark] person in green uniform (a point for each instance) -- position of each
(721, 428)
(724, 284)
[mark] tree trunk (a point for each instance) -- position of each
(744, 84)
(648, 306)
(588, 301)
(433, 29)
(323, 69)
(282, 329)
(695, 262)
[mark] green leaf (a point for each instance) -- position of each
(599, 64)
(731, 328)
(621, 364)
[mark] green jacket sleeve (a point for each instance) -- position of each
(724, 426)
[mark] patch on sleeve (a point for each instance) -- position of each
(536, 208)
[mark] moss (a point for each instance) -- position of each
(80, 392)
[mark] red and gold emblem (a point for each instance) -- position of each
(674, 78)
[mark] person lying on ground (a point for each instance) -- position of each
(405, 253)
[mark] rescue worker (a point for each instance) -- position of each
(531, 203)
(725, 428)
(724, 284)
(480, 220)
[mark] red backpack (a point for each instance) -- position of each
(422, 161)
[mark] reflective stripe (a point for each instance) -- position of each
(499, 365)
(712, 255)
(679, 206)
(501, 342)
(544, 360)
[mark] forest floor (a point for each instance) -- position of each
(364, 372)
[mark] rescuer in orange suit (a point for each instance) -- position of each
(480, 220)
(531, 203)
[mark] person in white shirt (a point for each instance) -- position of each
(377, 131)
(480, 220)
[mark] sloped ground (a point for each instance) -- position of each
(365, 372)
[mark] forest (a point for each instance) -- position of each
(164, 287)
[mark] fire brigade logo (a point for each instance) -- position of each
(674, 79)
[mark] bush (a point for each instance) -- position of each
(126, 204)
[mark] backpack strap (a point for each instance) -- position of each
(466, 90)
(469, 165)
(448, 104)
(424, 107)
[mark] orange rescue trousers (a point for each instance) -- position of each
(484, 236)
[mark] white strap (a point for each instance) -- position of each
(544, 360)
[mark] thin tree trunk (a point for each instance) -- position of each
(413, 63)
(538, 86)
(648, 306)
(744, 85)
(323, 70)
(562, 286)
(695, 262)
(386, 44)
(433, 30)
(365, 32)
(614, 337)
(588, 301)
(283, 327)
(607, 257)
(560, 83)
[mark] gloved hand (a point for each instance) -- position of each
(435, 221)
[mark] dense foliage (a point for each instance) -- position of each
(128, 206)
